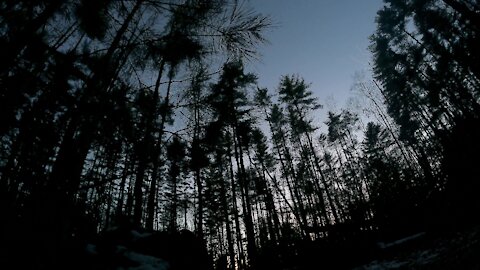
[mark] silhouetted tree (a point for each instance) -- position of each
(428, 81)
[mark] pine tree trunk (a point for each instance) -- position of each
(247, 210)
(235, 208)
(231, 250)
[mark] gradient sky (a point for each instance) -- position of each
(323, 41)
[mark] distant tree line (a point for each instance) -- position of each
(143, 111)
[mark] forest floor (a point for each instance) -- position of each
(454, 250)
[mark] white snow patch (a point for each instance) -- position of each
(382, 245)
(418, 258)
(91, 249)
(120, 249)
(146, 262)
(137, 235)
(425, 257)
(382, 265)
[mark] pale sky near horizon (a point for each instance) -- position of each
(323, 41)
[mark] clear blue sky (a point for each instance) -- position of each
(324, 41)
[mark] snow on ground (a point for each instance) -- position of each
(380, 265)
(145, 262)
(458, 250)
(417, 259)
(136, 261)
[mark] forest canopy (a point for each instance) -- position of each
(142, 115)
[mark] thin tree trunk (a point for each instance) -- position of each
(235, 207)
(231, 250)
(244, 184)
